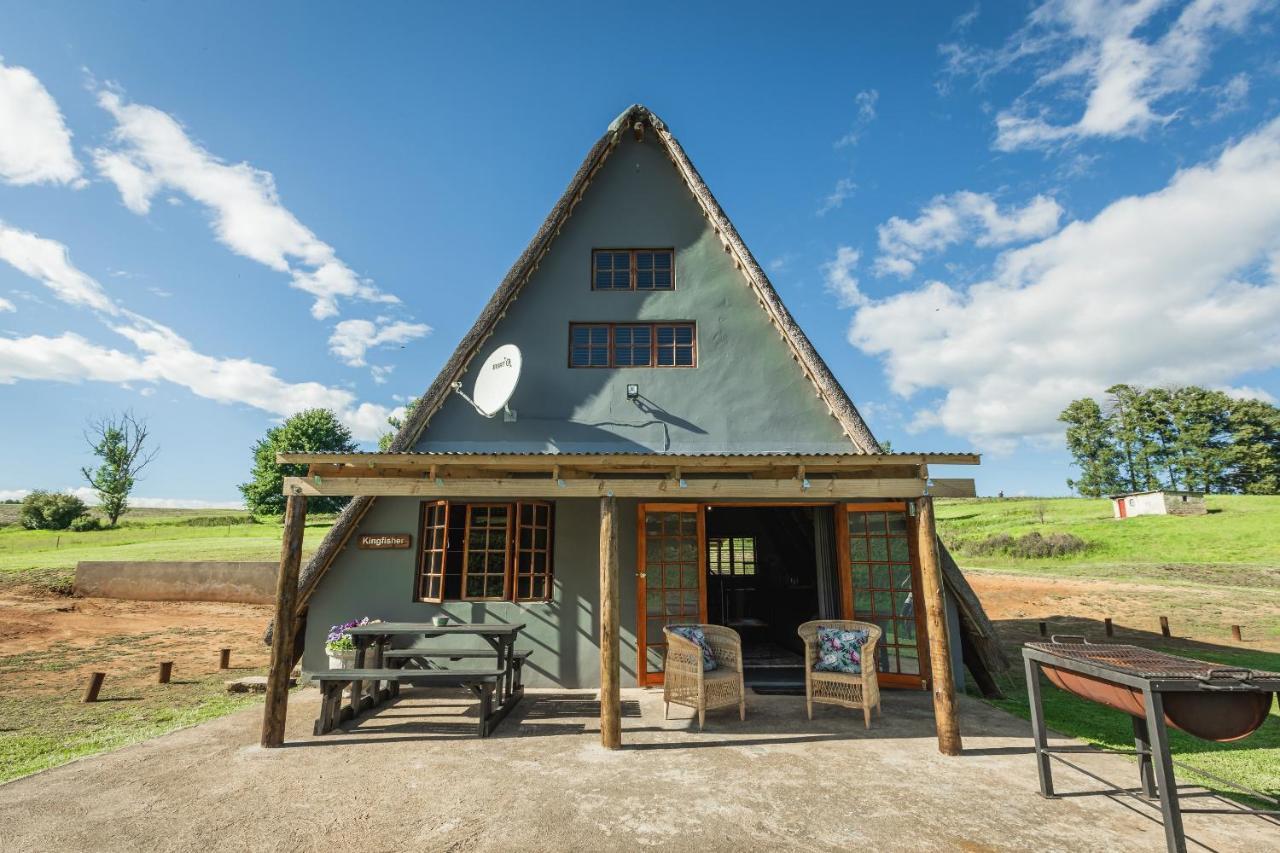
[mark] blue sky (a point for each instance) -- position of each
(976, 213)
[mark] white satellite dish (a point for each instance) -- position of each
(496, 381)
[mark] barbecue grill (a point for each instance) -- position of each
(1157, 690)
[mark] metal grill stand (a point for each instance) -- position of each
(1151, 674)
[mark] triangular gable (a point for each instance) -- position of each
(636, 119)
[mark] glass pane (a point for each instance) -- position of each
(689, 576)
(908, 660)
(862, 602)
(493, 586)
(890, 634)
(671, 576)
(475, 585)
(903, 605)
(898, 550)
(902, 577)
(688, 550)
(879, 548)
(880, 577)
(897, 522)
(653, 600)
(670, 550)
(684, 358)
(883, 603)
(653, 577)
(857, 522)
(688, 524)
(861, 576)
(858, 549)
(875, 522)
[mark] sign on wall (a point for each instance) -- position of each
(383, 541)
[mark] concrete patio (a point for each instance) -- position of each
(414, 777)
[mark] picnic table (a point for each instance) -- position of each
(379, 670)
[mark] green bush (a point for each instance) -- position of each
(85, 523)
(1028, 546)
(215, 521)
(43, 510)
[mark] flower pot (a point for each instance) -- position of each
(342, 659)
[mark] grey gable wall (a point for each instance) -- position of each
(746, 394)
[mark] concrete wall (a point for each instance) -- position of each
(245, 582)
(1160, 503)
(746, 394)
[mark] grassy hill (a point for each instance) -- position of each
(152, 534)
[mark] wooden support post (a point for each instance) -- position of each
(1110, 629)
(93, 686)
(1235, 633)
(944, 688)
(1164, 626)
(273, 717)
(166, 671)
(610, 664)
(224, 658)
(1044, 629)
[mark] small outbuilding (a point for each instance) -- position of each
(1159, 502)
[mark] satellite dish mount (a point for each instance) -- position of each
(495, 383)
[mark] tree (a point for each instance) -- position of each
(120, 442)
(309, 431)
(396, 423)
(43, 510)
(1254, 455)
(1090, 443)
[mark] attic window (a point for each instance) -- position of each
(633, 269)
(633, 344)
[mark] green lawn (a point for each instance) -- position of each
(1254, 762)
(1238, 532)
(153, 535)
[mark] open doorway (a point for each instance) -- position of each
(769, 569)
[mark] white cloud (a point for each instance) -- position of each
(843, 189)
(351, 339)
(6, 305)
(1231, 95)
(840, 280)
(1181, 286)
(1248, 392)
(865, 101)
(1121, 55)
(152, 152)
(35, 145)
(161, 353)
(48, 262)
(961, 216)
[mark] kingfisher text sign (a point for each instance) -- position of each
(383, 541)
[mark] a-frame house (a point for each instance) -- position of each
(670, 412)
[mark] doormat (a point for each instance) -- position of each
(778, 688)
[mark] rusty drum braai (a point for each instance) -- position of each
(1157, 690)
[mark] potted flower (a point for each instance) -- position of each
(340, 646)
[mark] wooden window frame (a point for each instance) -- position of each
(548, 551)
(631, 254)
(716, 545)
(510, 590)
(427, 547)
(506, 553)
(653, 345)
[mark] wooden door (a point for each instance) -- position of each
(880, 577)
(671, 578)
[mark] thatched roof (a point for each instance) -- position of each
(635, 119)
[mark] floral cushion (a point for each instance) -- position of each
(840, 650)
(696, 635)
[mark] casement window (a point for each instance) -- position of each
(485, 551)
(633, 345)
(633, 269)
(732, 555)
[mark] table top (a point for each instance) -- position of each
(377, 629)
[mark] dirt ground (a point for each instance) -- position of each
(1015, 602)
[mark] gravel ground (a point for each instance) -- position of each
(412, 777)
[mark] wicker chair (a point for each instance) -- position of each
(840, 688)
(684, 681)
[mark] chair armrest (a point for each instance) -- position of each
(726, 651)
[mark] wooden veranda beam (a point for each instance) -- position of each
(648, 487)
(610, 663)
(690, 462)
(282, 635)
(935, 609)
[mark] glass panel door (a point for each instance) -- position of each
(883, 579)
(671, 579)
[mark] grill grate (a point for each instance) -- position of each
(1145, 663)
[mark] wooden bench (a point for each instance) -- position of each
(422, 656)
(481, 682)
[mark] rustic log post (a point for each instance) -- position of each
(1164, 626)
(1235, 633)
(273, 717)
(610, 666)
(1110, 629)
(944, 688)
(1044, 629)
(224, 658)
(93, 686)
(166, 670)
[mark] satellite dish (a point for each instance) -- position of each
(496, 381)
